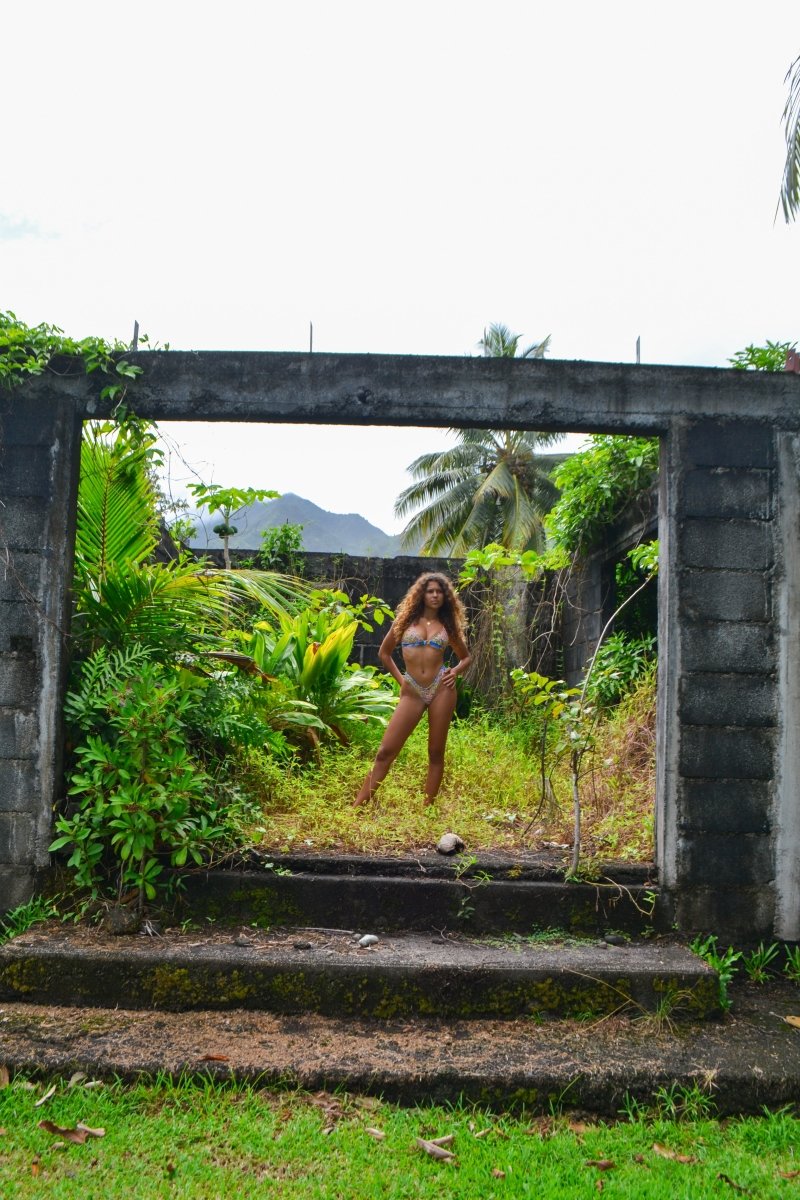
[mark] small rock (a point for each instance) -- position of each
(302, 945)
(615, 939)
(449, 843)
(369, 939)
(241, 940)
(122, 920)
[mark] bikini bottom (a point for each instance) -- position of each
(425, 691)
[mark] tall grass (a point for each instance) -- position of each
(493, 794)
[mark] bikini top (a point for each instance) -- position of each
(438, 641)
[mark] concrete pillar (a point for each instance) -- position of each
(719, 678)
(39, 468)
(787, 627)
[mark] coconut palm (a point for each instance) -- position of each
(499, 342)
(790, 187)
(492, 486)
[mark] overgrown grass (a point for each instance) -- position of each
(212, 1140)
(492, 794)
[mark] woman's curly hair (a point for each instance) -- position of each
(452, 614)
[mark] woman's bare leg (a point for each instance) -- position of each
(440, 714)
(403, 721)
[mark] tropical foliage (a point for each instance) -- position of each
(141, 796)
(309, 654)
(27, 351)
(771, 357)
(229, 502)
(789, 199)
(492, 486)
(499, 342)
(597, 484)
(164, 703)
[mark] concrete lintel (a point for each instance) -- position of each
(389, 389)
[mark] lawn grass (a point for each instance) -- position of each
(196, 1139)
(492, 793)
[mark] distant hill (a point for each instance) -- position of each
(334, 533)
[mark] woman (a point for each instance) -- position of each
(430, 618)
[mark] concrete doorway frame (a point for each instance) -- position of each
(727, 813)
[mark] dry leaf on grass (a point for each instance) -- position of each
(35, 1168)
(737, 1187)
(579, 1127)
(214, 1058)
(665, 1152)
(793, 1021)
(602, 1164)
(51, 1091)
(789, 1174)
(5, 1078)
(543, 1126)
(77, 1136)
(498, 1174)
(378, 1134)
(447, 1140)
(481, 1133)
(77, 1078)
(435, 1151)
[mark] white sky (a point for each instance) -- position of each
(401, 175)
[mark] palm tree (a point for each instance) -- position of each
(790, 187)
(493, 486)
(499, 342)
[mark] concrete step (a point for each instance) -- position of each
(750, 1059)
(492, 895)
(326, 971)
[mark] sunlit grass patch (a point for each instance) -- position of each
(202, 1139)
(492, 795)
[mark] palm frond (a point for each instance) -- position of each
(790, 187)
(116, 505)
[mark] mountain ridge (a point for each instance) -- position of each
(329, 532)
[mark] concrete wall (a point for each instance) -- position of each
(728, 829)
(39, 463)
(590, 589)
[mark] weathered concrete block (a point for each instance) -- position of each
(17, 838)
(21, 425)
(732, 444)
(742, 545)
(710, 753)
(19, 678)
(723, 596)
(730, 699)
(738, 914)
(18, 619)
(24, 523)
(732, 806)
(20, 575)
(722, 646)
(19, 785)
(26, 471)
(727, 492)
(17, 886)
(19, 731)
(727, 859)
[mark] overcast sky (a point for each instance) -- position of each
(400, 175)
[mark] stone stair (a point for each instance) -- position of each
(492, 938)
